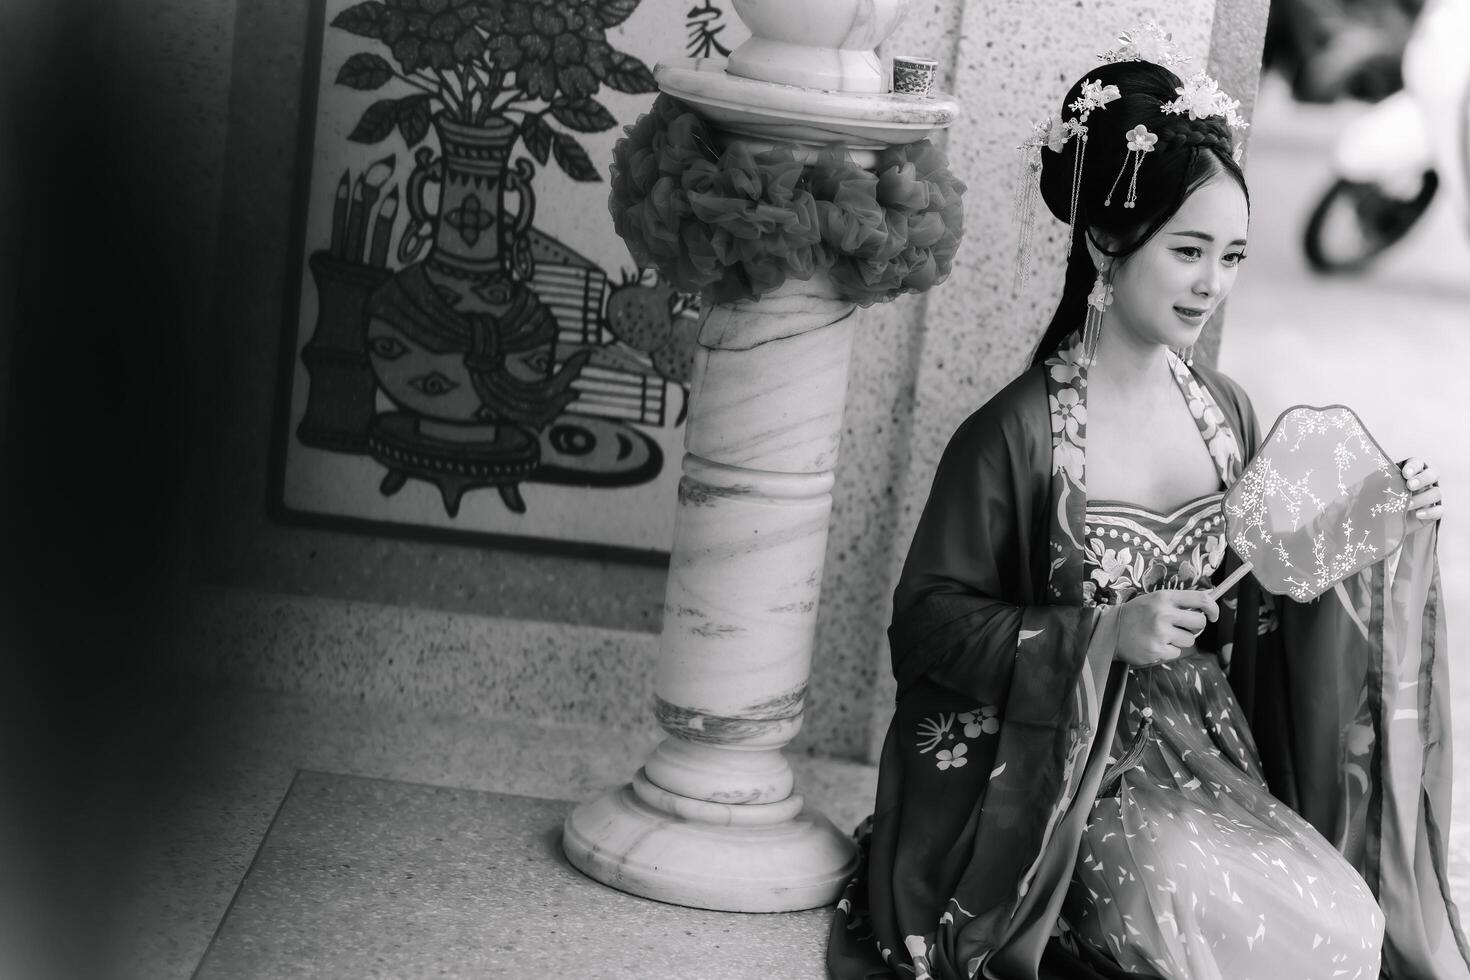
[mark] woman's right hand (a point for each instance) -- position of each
(1157, 626)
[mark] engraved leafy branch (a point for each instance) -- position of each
(528, 62)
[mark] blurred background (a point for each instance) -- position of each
(1356, 289)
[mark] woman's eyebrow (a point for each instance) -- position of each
(1205, 236)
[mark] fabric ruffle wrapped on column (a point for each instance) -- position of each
(737, 224)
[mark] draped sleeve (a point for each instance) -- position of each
(989, 762)
(973, 584)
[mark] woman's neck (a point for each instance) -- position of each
(1123, 361)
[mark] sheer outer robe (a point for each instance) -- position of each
(972, 848)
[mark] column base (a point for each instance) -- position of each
(739, 864)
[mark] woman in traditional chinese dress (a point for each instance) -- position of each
(1094, 770)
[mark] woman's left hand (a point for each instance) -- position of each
(1426, 501)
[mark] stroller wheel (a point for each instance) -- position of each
(1355, 222)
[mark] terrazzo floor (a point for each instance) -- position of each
(376, 878)
(333, 775)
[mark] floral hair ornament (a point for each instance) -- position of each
(1053, 134)
(1201, 98)
(1148, 42)
(1140, 142)
(1094, 95)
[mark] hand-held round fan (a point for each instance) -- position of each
(1319, 502)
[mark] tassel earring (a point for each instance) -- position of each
(1098, 302)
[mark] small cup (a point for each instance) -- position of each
(913, 76)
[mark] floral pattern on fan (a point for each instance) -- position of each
(1319, 502)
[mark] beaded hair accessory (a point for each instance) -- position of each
(1053, 134)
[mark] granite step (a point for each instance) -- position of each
(312, 836)
(365, 877)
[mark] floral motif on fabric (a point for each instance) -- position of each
(945, 734)
(1192, 867)
(1219, 439)
(1066, 384)
(1131, 551)
(1076, 562)
(1068, 417)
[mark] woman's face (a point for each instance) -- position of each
(1166, 291)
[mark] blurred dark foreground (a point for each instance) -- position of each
(98, 306)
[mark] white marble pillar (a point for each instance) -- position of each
(713, 820)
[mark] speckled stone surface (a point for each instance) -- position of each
(424, 660)
(850, 657)
(373, 878)
(238, 759)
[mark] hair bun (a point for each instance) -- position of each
(1143, 89)
(1142, 86)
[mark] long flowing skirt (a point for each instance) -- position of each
(1190, 870)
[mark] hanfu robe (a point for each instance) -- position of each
(1009, 700)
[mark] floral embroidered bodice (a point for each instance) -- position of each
(1130, 549)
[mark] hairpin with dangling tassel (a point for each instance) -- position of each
(1140, 142)
(1093, 95)
(1053, 134)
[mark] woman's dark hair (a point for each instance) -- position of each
(1188, 153)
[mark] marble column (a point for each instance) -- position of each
(713, 819)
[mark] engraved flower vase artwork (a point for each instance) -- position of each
(1319, 502)
(458, 340)
(470, 354)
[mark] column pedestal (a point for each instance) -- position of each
(710, 855)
